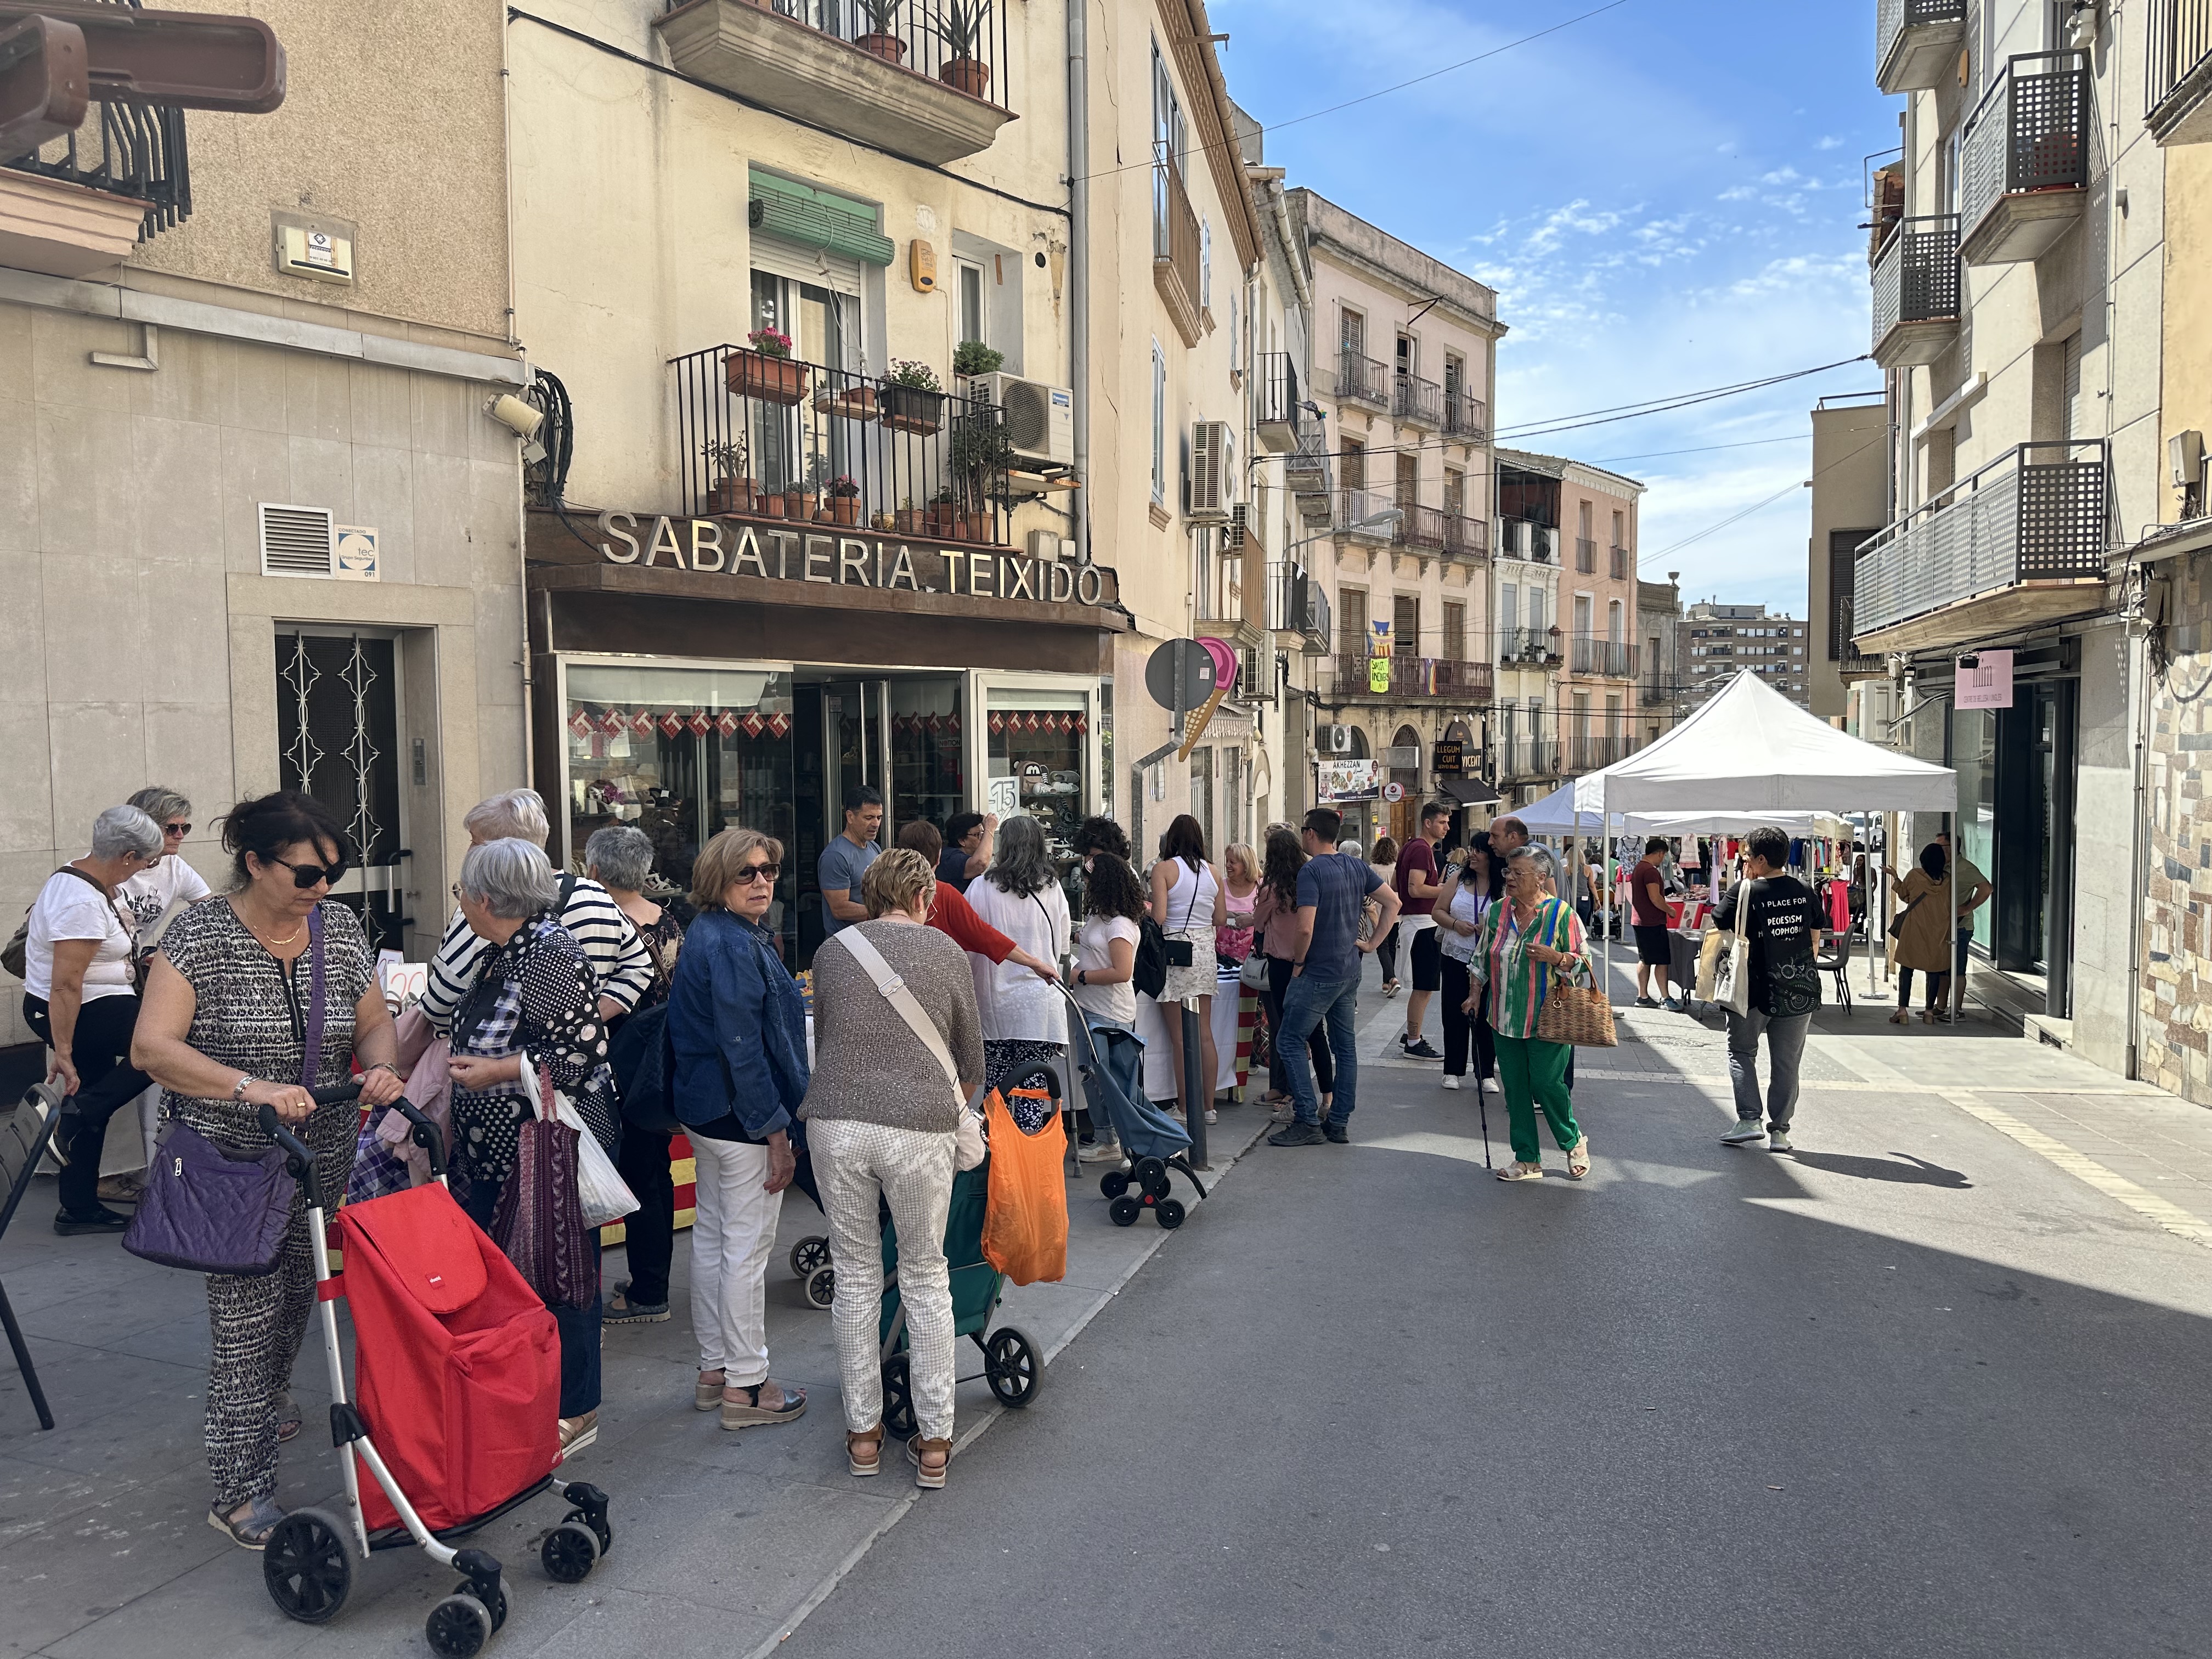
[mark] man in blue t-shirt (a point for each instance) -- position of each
(1333, 889)
(847, 859)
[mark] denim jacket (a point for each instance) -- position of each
(738, 1026)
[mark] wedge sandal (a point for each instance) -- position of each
(924, 1475)
(869, 1441)
(749, 1413)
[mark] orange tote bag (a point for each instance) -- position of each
(1025, 1216)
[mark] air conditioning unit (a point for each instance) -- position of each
(1239, 527)
(1213, 477)
(2184, 455)
(1340, 739)
(1039, 418)
(1050, 544)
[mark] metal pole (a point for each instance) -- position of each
(1197, 1091)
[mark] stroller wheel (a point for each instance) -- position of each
(569, 1553)
(1124, 1211)
(1113, 1182)
(1011, 1366)
(822, 1286)
(306, 1567)
(808, 1255)
(1170, 1212)
(457, 1627)
(899, 1398)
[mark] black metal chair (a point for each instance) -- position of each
(24, 1128)
(1837, 960)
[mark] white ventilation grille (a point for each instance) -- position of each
(296, 541)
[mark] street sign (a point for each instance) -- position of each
(1450, 757)
(1193, 661)
(1393, 792)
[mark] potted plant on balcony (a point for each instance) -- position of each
(849, 399)
(976, 459)
(907, 521)
(765, 370)
(732, 490)
(881, 39)
(913, 398)
(845, 499)
(972, 357)
(962, 26)
(943, 518)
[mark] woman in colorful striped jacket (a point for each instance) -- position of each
(1525, 943)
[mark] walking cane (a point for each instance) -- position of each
(1482, 1107)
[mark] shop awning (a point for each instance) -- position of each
(1467, 792)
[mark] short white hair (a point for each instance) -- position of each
(519, 813)
(123, 829)
(512, 875)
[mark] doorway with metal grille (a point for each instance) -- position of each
(337, 739)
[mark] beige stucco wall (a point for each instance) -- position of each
(390, 119)
(1850, 486)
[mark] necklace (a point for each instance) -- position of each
(270, 939)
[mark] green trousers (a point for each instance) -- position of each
(1534, 1073)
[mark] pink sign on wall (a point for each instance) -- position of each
(1984, 681)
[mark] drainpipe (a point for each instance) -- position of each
(521, 492)
(1079, 254)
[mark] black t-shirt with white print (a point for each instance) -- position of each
(1783, 915)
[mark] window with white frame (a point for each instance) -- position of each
(975, 324)
(1159, 423)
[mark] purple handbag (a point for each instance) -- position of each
(209, 1212)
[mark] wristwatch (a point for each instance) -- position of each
(238, 1090)
(1082, 976)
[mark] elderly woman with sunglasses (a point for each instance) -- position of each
(738, 1028)
(232, 1024)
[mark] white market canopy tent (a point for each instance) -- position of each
(1751, 750)
(1577, 809)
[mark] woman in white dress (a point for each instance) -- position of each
(1188, 904)
(1025, 1018)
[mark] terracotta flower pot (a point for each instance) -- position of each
(797, 504)
(969, 75)
(771, 505)
(846, 509)
(730, 496)
(888, 47)
(772, 380)
(908, 521)
(855, 403)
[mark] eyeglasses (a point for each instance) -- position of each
(305, 876)
(180, 830)
(753, 873)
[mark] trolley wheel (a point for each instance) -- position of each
(1152, 1177)
(570, 1551)
(1170, 1212)
(499, 1610)
(306, 1567)
(596, 1519)
(899, 1398)
(822, 1286)
(1113, 1182)
(457, 1627)
(1124, 1211)
(808, 1255)
(1012, 1366)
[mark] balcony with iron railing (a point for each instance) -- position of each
(1612, 659)
(1398, 679)
(1524, 539)
(1307, 471)
(79, 203)
(1353, 513)
(1297, 603)
(1175, 247)
(776, 439)
(2024, 159)
(1851, 663)
(1421, 529)
(1620, 563)
(1276, 415)
(1466, 417)
(1593, 751)
(1466, 537)
(2178, 79)
(933, 86)
(1916, 292)
(1528, 647)
(1527, 757)
(1417, 402)
(1359, 379)
(1917, 42)
(1585, 556)
(2021, 542)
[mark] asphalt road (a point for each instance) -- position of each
(1916, 1392)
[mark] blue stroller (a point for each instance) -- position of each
(1156, 1143)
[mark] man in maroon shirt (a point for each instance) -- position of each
(1647, 903)
(1418, 881)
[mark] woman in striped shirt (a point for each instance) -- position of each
(1525, 942)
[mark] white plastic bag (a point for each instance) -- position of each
(970, 1142)
(602, 1193)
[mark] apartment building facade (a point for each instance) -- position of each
(1713, 640)
(1662, 698)
(1851, 502)
(1403, 377)
(261, 532)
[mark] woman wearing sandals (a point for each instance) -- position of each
(1525, 942)
(881, 1117)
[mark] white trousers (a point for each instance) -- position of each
(733, 1230)
(913, 1169)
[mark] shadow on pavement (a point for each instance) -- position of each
(1915, 1171)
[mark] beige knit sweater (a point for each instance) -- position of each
(868, 1066)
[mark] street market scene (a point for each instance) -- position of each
(837, 834)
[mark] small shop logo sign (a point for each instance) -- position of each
(708, 546)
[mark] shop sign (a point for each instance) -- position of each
(1350, 780)
(1448, 757)
(719, 546)
(1984, 681)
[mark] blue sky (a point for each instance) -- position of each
(1665, 197)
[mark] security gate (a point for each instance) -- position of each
(337, 739)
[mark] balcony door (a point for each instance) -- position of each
(814, 298)
(1406, 625)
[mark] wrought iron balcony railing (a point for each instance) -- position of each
(1467, 417)
(2177, 77)
(1361, 379)
(1585, 556)
(1916, 282)
(2039, 513)
(1620, 563)
(774, 438)
(2027, 139)
(1298, 604)
(1275, 395)
(1592, 752)
(1412, 679)
(1465, 537)
(134, 150)
(1615, 658)
(1524, 757)
(1309, 475)
(1420, 402)
(1352, 510)
(1175, 247)
(1422, 528)
(1913, 39)
(1530, 648)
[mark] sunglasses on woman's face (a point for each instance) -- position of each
(305, 876)
(178, 830)
(753, 873)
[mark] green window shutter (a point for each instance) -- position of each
(816, 218)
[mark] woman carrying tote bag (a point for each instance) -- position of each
(1531, 944)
